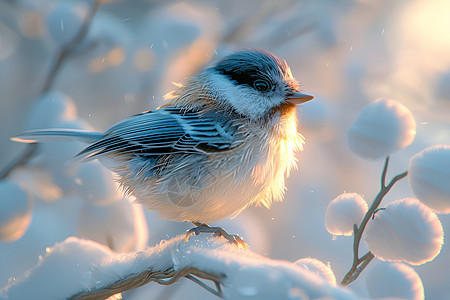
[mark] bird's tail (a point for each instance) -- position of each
(57, 135)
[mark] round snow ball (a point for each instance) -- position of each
(382, 127)
(15, 211)
(96, 184)
(343, 212)
(394, 281)
(65, 21)
(114, 225)
(50, 107)
(407, 230)
(429, 177)
(67, 264)
(317, 267)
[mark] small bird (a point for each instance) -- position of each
(224, 140)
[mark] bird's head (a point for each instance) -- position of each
(254, 83)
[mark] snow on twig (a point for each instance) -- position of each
(87, 270)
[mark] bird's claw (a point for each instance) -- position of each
(217, 232)
(191, 231)
(238, 241)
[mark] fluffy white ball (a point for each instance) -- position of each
(429, 177)
(96, 184)
(120, 225)
(394, 281)
(55, 156)
(382, 127)
(72, 257)
(65, 21)
(317, 267)
(407, 230)
(51, 107)
(15, 211)
(343, 212)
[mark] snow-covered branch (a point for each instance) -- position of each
(359, 264)
(87, 270)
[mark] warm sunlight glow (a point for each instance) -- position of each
(116, 56)
(30, 25)
(97, 65)
(425, 27)
(144, 59)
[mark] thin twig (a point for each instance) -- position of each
(161, 277)
(383, 175)
(364, 261)
(18, 161)
(360, 263)
(217, 292)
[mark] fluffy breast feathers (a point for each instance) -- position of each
(207, 186)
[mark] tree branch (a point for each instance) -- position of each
(211, 262)
(29, 151)
(359, 264)
(161, 277)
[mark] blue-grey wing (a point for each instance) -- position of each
(165, 131)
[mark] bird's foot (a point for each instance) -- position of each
(216, 231)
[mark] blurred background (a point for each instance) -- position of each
(88, 64)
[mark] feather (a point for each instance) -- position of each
(57, 135)
(165, 131)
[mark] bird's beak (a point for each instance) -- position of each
(297, 98)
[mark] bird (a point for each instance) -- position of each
(224, 140)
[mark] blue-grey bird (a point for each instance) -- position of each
(224, 140)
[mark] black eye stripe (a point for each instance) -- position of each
(241, 78)
(248, 78)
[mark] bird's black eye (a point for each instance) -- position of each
(261, 85)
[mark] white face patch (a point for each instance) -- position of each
(245, 99)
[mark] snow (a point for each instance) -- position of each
(105, 30)
(96, 184)
(117, 225)
(407, 230)
(15, 211)
(52, 222)
(64, 21)
(394, 281)
(50, 107)
(317, 267)
(38, 181)
(64, 269)
(429, 177)
(382, 127)
(343, 212)
(78, 265)
(55, 156)
(345, 54)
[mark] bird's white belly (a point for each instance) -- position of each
(192, 195)
(212, 188)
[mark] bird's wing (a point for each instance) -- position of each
(166, 131)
